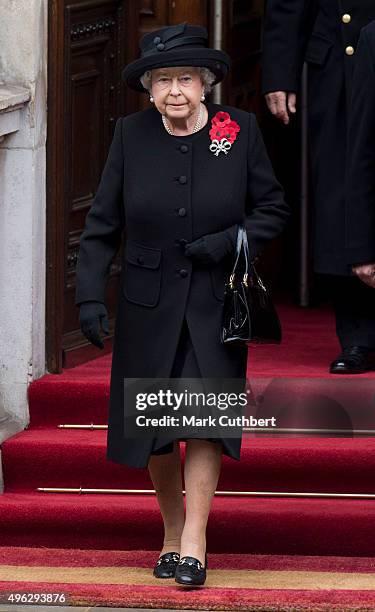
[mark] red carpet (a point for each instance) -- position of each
(309, 345)
(285, 381)
(245, 525)
(257, 582)
(74, 458)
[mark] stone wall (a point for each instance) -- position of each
(23, 62)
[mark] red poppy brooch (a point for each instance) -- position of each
(223, 133)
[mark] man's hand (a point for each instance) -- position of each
(366, 272)
(281, 103)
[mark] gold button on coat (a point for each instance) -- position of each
(346, 18)
(349, 50)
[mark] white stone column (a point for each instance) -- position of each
(23, 63)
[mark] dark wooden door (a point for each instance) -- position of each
(87, 50)
(242, 39)
(89, 43)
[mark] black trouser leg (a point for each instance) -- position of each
(354, 306)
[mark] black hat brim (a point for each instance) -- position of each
(216, 60)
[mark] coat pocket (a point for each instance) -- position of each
(218, 278)
(142, 274)
(318, 50)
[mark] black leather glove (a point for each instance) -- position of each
(212, 248)
(92, 315)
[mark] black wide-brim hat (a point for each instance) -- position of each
(180, 45)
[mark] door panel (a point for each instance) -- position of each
(242, 39)
(87, 50)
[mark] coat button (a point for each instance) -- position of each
(157, 40)
(182, 212)
(184, 148)
(183, 272)
(346, 18)
(182, 242)
(140, 259)
(349, 50)
(160, 46)
(182, 180)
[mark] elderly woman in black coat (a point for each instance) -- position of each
(179, 179)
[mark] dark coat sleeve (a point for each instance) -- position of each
(360, 204)
(101, 237)
(266, 209)
(287, 29)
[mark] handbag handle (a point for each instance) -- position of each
(242, 242)
(253, 268)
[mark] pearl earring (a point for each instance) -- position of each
(151, 99)
(203, 97)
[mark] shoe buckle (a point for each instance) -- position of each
(197, 563)
(174, 557)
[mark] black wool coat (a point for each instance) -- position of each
(360, 202)
(160, 191)
(324, 33)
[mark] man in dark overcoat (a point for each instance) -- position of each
(324, 33)
(360, 201)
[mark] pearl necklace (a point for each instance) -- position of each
(197, 126)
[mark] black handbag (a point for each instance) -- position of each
(249, 314)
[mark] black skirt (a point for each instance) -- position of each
(186, 366)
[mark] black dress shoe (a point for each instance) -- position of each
(166, 565)
(190, 571)
(354, 360)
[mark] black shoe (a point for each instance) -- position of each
(190, 571)
(166, 565)
(354, 360)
